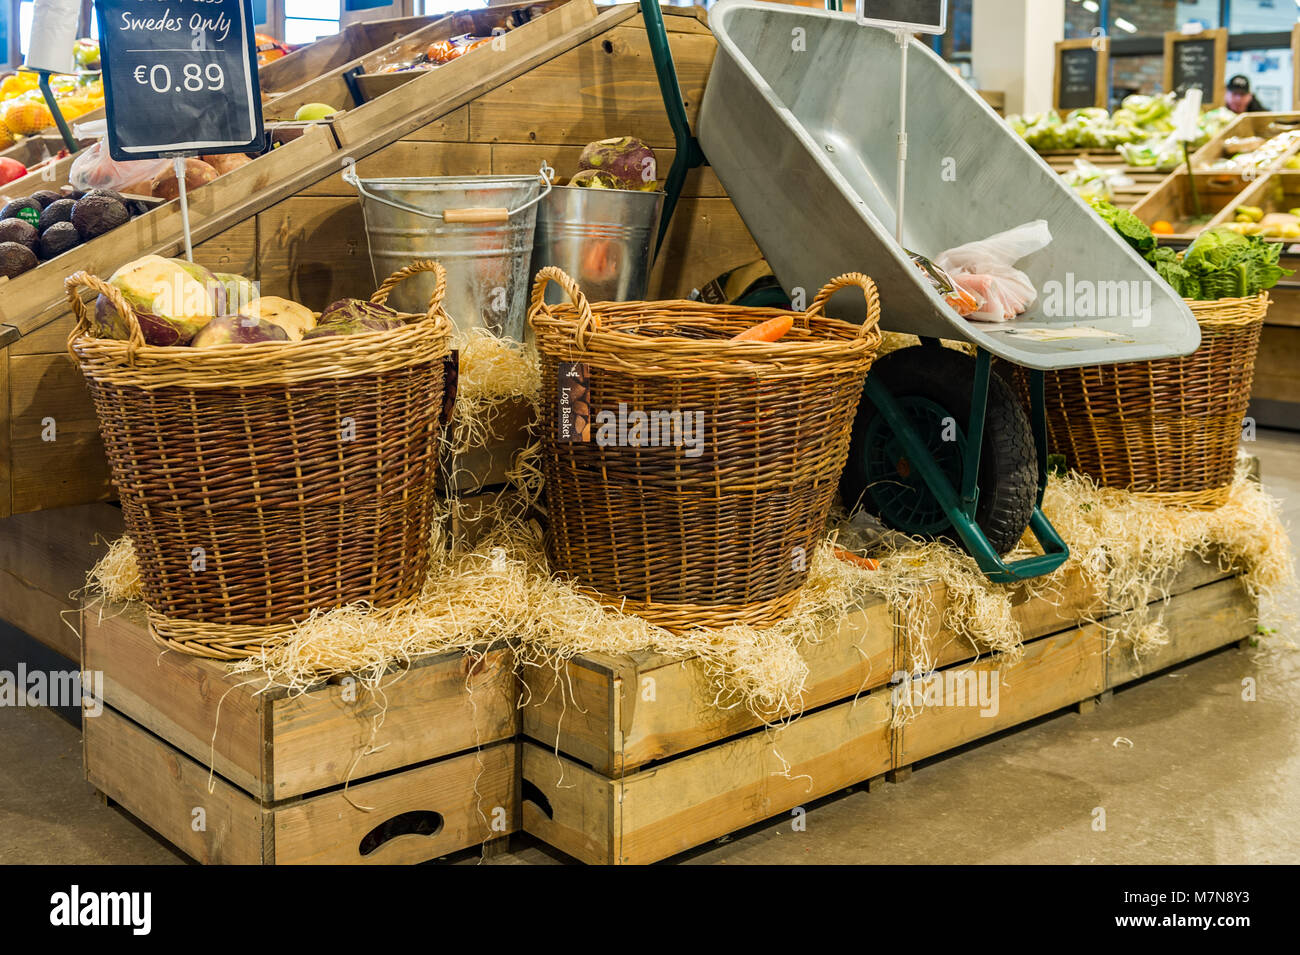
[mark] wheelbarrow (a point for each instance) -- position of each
(804, 137)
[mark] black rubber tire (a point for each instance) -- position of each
(1008, 478)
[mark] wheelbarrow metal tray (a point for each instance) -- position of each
(800, 121)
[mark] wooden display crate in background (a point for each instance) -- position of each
(330, 776)
(1145, 179)
(1172, 202)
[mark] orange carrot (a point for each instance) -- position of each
(768, 331)
(864, 562)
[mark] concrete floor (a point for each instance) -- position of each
(1209, 778)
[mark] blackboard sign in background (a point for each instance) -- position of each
(1077, 78)
(1194, 66)
(921, 16)
(180, 77)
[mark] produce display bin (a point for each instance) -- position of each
(1245, 125)
(1172, 202)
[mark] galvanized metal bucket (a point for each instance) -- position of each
(604, 238)
(480, 228)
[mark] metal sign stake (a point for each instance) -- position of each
(904, 41)
(178, 163)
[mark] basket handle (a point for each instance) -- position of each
(869, 330)
(587, 321)
(415, 268)
(75, 283)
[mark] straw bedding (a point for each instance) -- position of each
(499, 588)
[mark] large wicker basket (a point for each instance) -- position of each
(713, 538)
(262, 482)
(1168, 428)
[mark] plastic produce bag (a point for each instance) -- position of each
(94, 168)
(987, 270)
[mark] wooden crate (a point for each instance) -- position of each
(331, 85)
(290, 771)
(356, 40)
(1172, 202)
(1247, 124)
(1144, 178)
(637, 766)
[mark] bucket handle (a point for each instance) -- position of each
(587, 321)
(546, 174)
(869, 330)
(415, 268)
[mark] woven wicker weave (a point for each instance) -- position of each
(722, 537)
(1167, 428)
(262, 482)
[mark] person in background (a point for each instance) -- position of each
(1239, 98)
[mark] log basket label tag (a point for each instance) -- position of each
(450, 384)
(574, 401)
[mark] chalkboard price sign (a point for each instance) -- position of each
(1193, 66)
(180, 77)
(1082, 71)
(1196, 61)
(1078, 78)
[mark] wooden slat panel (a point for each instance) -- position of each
(469, 792)
(706, 238)
(43, 560)
(568, 806)
(1055, 672)
(1070, 601)
(1198, 621)
(582, 95)
(410, 157)
(42, 616)
(314, 251)
(189, 701)
(573, 710)
(509, 158)
(72, 468)
(685, 802)
(163, 787)
(443, 705)
(1277, 369)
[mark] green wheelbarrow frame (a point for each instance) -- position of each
(959, 505)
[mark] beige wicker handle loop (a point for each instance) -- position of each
(415, 268)
(74, 284)
(869, 331)
(587, 322)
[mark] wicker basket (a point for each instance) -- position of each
(717, 532)
(262, 482)
(1168, 428)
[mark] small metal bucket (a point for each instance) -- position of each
(604, 238)
(480, 228)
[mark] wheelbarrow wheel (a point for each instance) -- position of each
(933, 386)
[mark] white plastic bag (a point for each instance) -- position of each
(94, 168)
(987, 269)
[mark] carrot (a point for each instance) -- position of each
(864, 562)
(768, 331)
